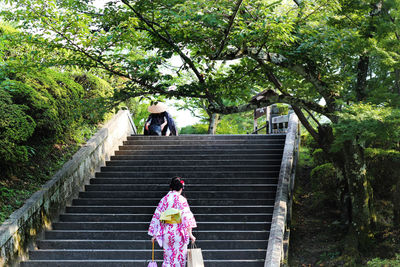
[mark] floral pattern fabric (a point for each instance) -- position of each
(174, 238)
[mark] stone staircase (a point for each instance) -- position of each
(230, 185)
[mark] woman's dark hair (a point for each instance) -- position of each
(176, 183)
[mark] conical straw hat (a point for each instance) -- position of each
(157, 108)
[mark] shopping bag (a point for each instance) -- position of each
(152, 263)
(195, 257)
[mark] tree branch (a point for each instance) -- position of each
(167, 40)
(228, 29)
(306, 123)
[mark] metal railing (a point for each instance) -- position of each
(278, 242)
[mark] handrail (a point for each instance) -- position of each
(134, 129)
(279, 232)
(259, 129)
(132, 123)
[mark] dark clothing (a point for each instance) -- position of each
(155, 120)
(155, 129)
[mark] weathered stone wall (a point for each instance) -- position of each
(280, 225)
(39, 211)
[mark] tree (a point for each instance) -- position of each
(319, 56)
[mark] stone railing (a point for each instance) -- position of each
(280, 227)
(24, 225)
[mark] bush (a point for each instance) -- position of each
(53, 101)
(385, 262)
(96, 93)
(194, 129)
(15, 128)
(324, 180)
(41, 108)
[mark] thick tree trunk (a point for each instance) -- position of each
(362, 215)
(213, 123)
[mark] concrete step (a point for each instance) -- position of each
(145, 225)
(230, 185)
(204, 142)
(205, 163)
(223, 217)
(191, 174)
(155, 201)
(199, 151)
(155, 157)
(146, 244)
(130, 263)
(139, 254)
(188, 181)
(189, 194)
(210, 137)
(202, 147)
(150, 209)
(210, 168)
(188, 188)
(132, 234)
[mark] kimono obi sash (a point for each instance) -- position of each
(171, 216)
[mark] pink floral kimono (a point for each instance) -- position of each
(174, 238)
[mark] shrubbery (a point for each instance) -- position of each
(46, 107)
(15, 128)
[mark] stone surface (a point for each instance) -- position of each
(275, 253)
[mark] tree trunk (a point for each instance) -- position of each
(362, 216)
(396, 205)
(397, 81)
(213, 123)
(362, 72)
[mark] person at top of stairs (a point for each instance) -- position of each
(172, 225)
(159, 121)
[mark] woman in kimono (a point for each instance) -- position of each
(173, 236)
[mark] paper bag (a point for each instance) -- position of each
(195, 257)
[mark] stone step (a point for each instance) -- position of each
(155, 157)
(188, 181)
(155, 201)
(210, 168)
(188, 188)
(150, 209)
(191, 174)
(209, 137)
(199, 151)
(189, 194)
(202, 147)
(146, 244)
(139, 254)
(223, 217)
(132, 234)
(130, 263)
(183, 142)
(145, 225)
(205, 163)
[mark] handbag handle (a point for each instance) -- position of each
(152, 252)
